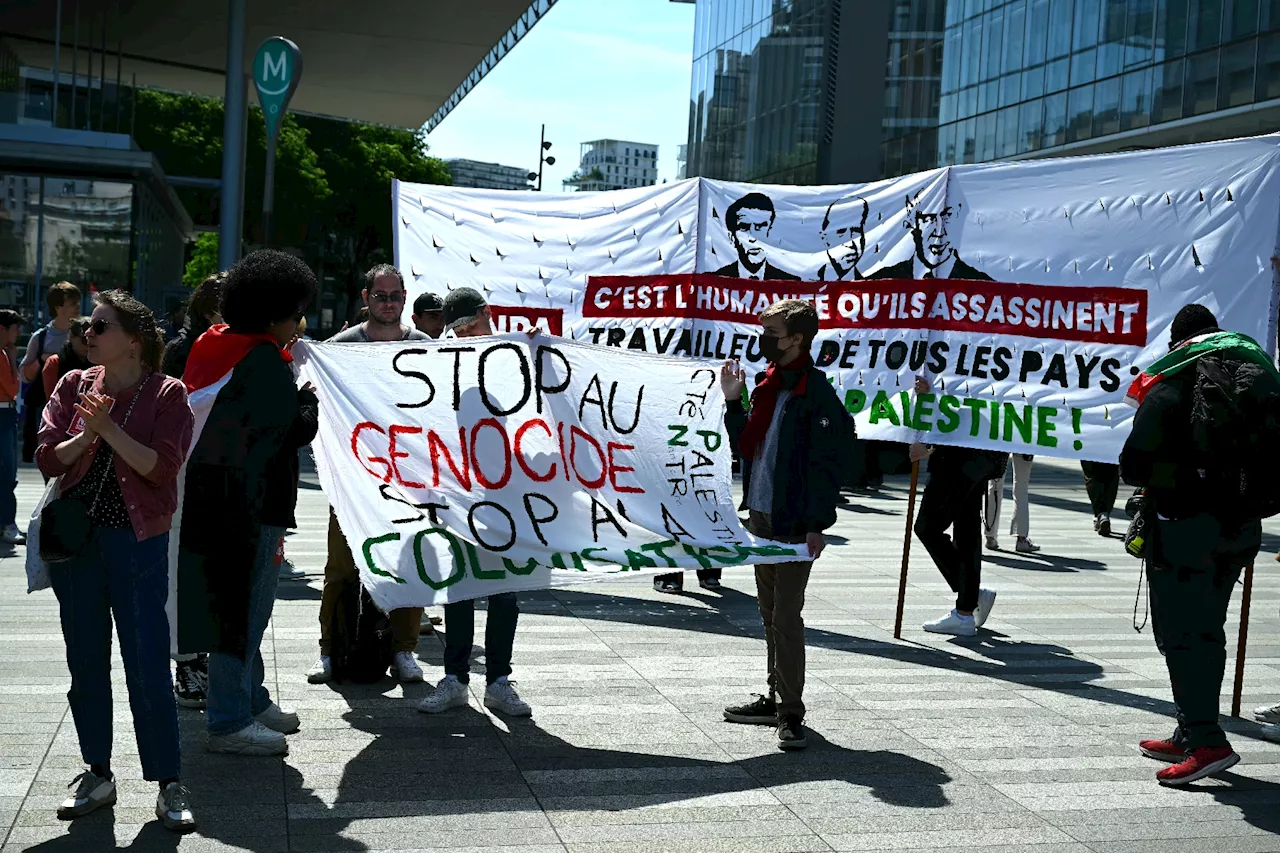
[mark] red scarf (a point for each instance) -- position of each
(218, 351)
(794, 377)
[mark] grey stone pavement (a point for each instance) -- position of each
(1020, 739)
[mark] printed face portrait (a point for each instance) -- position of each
(845, 233)
(933, 246)
(749, 233)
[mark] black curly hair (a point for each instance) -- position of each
(266, 287)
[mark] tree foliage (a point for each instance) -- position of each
(204, 260)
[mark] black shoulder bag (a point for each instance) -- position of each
(66, 524)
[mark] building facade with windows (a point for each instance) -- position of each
(493, 176)
(612, 164)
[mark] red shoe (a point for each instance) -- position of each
(1202, 762)
(1163, 750)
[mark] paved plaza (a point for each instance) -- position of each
(1023, 738)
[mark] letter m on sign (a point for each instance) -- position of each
(274, 67)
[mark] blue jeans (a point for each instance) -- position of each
(8, 466)
(499, 636)
(118, 575)
(236, 690)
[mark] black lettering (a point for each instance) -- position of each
(1112, 381)
(674, 529)
(490, 403)
(720, 353)
(457, 369)
(430, 506)
(828, 352)
(1085, 368)
(849, 354)
(637, 341)
(1057, 371)
(682, 345)
(596, 332)
(1031, 363)
(660, 343)
(980, 356)
(475, 531)
(540, 373)
(938, 356)
(601, 514)
(895, 355)
(876, 346)
(739, 342)
(919, 352)
(616, 337)
(538, 520)
(1001, 359)
(613, 417)
(962, 368)
(413, 374)
(597, 401)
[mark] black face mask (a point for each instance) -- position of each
(770, 349)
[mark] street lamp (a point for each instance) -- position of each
(543, 157)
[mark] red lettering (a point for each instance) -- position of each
(355, 448)
(564, 458)
(595, 483)
(615, 469)
(438, 447)
(397, 429)
(502, 481)
(520, 458)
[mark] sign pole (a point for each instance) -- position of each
(277, 68)
(906, 549)
(1244, 638)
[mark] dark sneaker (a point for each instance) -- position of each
(791, 733)
(1163, 750)
(762, 712)
(188, 686)
(1199, 763)
(173, 806)
(92, 792)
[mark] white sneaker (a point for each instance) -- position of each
(253, 739)
(502, 696)
(321, 671)
(953, 623)
(14, 536)
(405, 669)
(290, 572)
(986, 600)
(993, 544)
(282, 720)
(1025, 546)
(92, 792)
(173, 807)
(1267, 715)
(1271, 732)
(449, 693)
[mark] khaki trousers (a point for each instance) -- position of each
(405, 622)
(780, 591)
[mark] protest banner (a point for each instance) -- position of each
(1030, 294)
(464, 468)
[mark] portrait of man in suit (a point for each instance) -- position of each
(749, 220)
(844, 230)
(934, 257)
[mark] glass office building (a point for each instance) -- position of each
(1042, 77)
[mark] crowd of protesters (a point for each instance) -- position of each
(116, 425)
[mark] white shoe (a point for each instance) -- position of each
(92, 792)
(1267, 715)
(953, 623)
(405, 669)
(253, 739)
(1025, 546)
(14, 536)
(290, 572)
(282, 720)
(321, 671)
(449, 693)
(986, 600)
(993, 544)
(173, 807)
(502, 696)
(1271, 732)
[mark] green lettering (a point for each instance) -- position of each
(526, 569)
(906, 407)
(707, 436)
(975, 407)
(949, 409)
(675, 441)
(659, 549)
(368, 555)
(882, 409)
(637, 561)
(479, 573)
(924, 409)
(459, 558)
(1011, 422)
(1045, 426)
(586, 555)
(854, 400)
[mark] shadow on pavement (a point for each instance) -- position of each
(1042, 562)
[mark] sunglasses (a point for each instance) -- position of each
(99, 327)
(397, 296)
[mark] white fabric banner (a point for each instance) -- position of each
(464, 468)
(1028, 294)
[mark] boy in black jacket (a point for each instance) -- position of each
(790, 448)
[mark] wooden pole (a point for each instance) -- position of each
(906, 549)
(1244, 638)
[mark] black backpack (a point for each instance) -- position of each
(361, 647)
(1235, 430)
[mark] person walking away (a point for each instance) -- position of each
(952, 499)
(1102, 483)
(466, 315)
(117, 434)
(384, 297)
(1203, 446)
(204, 310)
(10, 328)
(790, 446)
(229, 532)
(63, 302)
(74, 355)
(1020, 525)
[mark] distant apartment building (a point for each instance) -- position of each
(492, 176)
(612, 164)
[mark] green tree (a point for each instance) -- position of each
(204, 259)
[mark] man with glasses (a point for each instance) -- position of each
(384, 295)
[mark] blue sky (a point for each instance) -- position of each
(589, 74)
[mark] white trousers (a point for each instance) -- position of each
(1020, 524)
